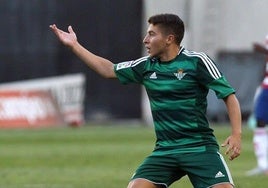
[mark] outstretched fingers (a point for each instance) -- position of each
(54, 28)
(68, 38)
(70, 29)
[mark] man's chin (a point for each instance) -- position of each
(151, 55)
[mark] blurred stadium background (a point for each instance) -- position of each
(29, 51)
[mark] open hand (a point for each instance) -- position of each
(67, 38)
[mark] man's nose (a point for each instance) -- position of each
(145, 40)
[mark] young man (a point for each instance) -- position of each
(260, 138)
(177, 83)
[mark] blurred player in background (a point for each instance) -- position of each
(260, 138)
(177, 83)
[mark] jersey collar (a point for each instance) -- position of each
(181, 49)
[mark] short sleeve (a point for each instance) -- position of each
(221, 87)
(130, 71)
(210, 76)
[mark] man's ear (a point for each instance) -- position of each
(170, 39)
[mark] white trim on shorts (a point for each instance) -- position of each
(228, 173)
(163, 184)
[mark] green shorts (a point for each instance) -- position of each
(204, 169)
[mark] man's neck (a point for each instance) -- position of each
(170, 54)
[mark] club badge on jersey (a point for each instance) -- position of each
(180, 74)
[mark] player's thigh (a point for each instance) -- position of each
(207, 169)
(142, 183)
(161, 170)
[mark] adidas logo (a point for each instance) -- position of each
(153, 76)
(219, 175)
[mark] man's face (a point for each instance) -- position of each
(155, 42)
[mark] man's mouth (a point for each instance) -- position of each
(148, 49)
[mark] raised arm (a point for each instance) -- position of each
(100, 65)
(233, 142)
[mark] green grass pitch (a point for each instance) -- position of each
(95, 157)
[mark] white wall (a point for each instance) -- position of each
(244, 21)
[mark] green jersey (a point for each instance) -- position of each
(177, 91)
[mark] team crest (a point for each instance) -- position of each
(180, 74)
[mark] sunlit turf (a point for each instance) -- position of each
(95, 156)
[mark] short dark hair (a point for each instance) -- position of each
(170, 23)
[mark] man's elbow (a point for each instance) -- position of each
(109, 74)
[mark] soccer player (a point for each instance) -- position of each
(260, 138)
(177, 82)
